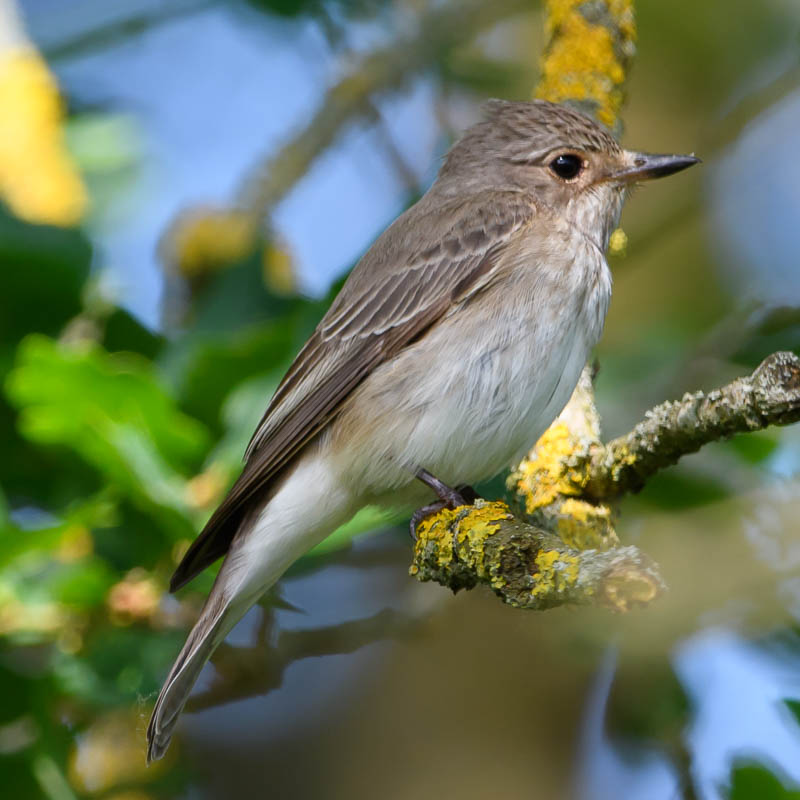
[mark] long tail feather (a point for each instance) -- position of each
(306, 507)
(214, 623)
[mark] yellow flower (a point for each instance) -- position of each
(38, 180)
(203, 240)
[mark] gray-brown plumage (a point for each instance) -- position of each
(453, 344)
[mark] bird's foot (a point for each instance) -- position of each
(422, 513)
(448, 498)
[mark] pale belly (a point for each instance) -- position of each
(464, 402)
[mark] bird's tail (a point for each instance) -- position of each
(308, 504)
(216, 619)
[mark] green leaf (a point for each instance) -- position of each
(756, 782)
(4, 520)
(70, 396)
(51, 779)
(243, 408)
(97, 511)
(214, 365)
(754, 447)
(81, 585)
(113, 411)
(42, 273)
(122, 331)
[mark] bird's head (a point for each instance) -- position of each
(570, 163)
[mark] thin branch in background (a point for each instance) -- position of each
(120, 30)
(254, 671)
(337, 37)
(402, 168)
(388, 69)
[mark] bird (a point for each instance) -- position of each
(452, 346)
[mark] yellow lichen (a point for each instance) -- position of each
(557, 572)
(618, 242)
(581, 61)
(623, 457)
(470, 525)
(38, 180)
(584, 526)
(436, 529)
(547, 475)
(623, 591)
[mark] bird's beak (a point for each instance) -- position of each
(644, 166)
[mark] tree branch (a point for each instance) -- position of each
(571, 553)
(528, 567)
(120, 30)
(770, 396)
(269, 180)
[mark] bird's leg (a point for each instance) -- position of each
(448, 498)
(452, 498)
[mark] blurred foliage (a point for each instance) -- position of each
(756, 782)
(118, 441)
(117, 444)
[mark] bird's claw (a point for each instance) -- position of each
(462, 495)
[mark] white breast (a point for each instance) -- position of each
(478, 390)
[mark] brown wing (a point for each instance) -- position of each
(429, 260)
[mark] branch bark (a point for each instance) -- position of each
(526, 566)
(770, 396)
(243, 671)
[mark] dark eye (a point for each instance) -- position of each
(566, 165)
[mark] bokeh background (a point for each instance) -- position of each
(183, 184)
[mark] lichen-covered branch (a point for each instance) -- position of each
(589, 49)
(528, 567)
(547, 485)
(770, 396)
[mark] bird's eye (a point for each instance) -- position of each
(566, 166)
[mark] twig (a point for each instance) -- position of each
(257, 670)
(119, 30)
(770, 396)
(566, 483)
(388, 69)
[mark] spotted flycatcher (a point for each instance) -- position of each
(454, 343)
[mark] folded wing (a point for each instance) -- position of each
(401, 287)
